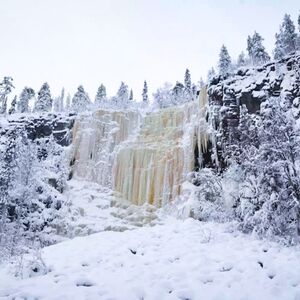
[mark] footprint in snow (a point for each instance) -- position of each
(84, 282)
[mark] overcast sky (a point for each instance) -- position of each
(72, 42)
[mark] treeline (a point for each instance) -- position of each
(80, 102)
(287, 41)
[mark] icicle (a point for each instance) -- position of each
(95, 139)
(152, 168)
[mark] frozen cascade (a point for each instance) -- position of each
(145, 159)
(152, 168)
(95, 140)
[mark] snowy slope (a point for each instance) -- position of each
(176, 260)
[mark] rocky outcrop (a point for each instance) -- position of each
(251, 86)
(41, 126)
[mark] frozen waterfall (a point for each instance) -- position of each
(144, 158)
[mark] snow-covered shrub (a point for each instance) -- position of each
(32, 177)
(208, 204)
(269, 187)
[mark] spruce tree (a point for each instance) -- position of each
(68, 103)
(6, 87)
(178, 93)
(211, 74)
(101, 95)
(131, 95)
(298, 36)
(286, 38)
(80, 101)
(145, 93)
(44, 100)
(123, 94)
(61, 100)
(13, 104)
(256, 50)
(26, 95)
(241, 62)
(224, 62)
(187, 81)
(56, 104)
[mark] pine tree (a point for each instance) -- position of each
(68, 103)
(178, 93)
(256, 50)
(6, 87)
(131, 95)
(241, 62)
(80, 101)
(163, 97)
(101, 95)
(211, 74)
(26, 95)
(187, 81)
(286, 38)
(13, 105)
(61, 100)
(298, 37)
(56, 104)
(44, 100)
(224, 62)
(4, 106)
(122, 95)
(145, 93)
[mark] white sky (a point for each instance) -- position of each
(72, 42)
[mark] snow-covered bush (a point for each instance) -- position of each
(269, 183)
(208, 204)
(32, 177)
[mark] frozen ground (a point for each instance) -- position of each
(175, 260)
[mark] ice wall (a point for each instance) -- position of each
(144, 159)
(152, 168)
(95, 140)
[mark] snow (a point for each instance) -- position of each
(179, 259)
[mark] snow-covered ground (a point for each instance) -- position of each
(174, 260)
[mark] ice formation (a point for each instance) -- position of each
(144, 159)
(95, 140)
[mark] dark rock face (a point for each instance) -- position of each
(43, 126)
(251, 87)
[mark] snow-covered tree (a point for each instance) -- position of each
(163, 97)
(61, 100)
(68, 103)
(80, 101)
(145, 94)
(131, 95)
(270, 192)
(224, 62)
(286, 38)
(211, 74)
(178, 93)
(241, 61)
(13, 105)
(6, 87)
(26, 95)
(298, 37)
(123, 93)
(187, 82)
(44, 99)
(58, 102)
(256, 50)
(101, 95)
